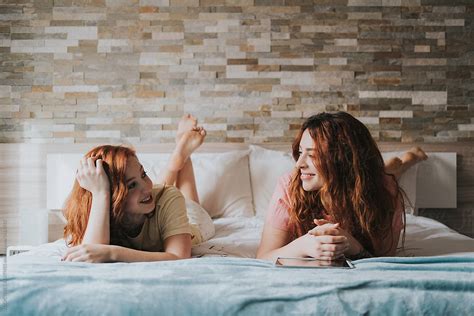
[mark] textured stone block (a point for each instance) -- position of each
(401, 66)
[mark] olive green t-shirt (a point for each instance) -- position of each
(168, 219)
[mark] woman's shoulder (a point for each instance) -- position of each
(281, 193)
(285, 179)
(166, 192)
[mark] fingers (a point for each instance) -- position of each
(318, 231)
(326, 229)
(331, 251)
(87, 163)
(320, 221)
(72, 253)
(330, 239)
(77, 254)
(99, 166)
(91, 163)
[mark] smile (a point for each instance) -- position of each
(147, 200)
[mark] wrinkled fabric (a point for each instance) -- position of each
(227, 286)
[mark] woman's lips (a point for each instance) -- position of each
(307, 176)
(148, 200)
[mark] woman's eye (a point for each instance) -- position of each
(131, 185)
(144, 174)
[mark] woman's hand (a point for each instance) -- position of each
(353, 245)
(323, 246)
(93, 253)
(92, 177)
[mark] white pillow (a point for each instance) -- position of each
(222, 180)
(407, 181)
(266, 166)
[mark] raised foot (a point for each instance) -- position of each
(187, 144)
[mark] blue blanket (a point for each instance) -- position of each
(227, 286)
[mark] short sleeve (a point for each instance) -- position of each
(278, 212)
(172, 217)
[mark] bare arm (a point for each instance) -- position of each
(98, 226)
(92, 177)
(277, 243)
(175, 247)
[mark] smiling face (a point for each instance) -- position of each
(310, 178)
(139, 199)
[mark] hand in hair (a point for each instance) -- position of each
(326, 227)
(92, 177)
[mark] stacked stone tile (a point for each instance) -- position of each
(251, 70)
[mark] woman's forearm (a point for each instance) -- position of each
(98, 226)
(123, 254)
(293, 249)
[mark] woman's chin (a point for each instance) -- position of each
(147, 212)
(310, 187)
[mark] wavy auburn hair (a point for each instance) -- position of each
(354, 191)
(78, 205)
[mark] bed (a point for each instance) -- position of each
(431, 274)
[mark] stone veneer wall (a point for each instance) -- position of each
(250, 70)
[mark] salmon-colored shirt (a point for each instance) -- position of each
(278, 211)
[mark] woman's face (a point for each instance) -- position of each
(309, 175)
(139, 199)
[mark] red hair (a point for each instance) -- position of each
(354, 191)
(78, 205)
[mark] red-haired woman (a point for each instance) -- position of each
(340, 199)
(115, 213)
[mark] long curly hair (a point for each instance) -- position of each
(78, 204)
(354, 191)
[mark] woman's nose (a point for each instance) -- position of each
(301, 162)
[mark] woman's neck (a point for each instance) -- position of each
(133, 224)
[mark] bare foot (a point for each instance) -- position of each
(186, 124)
(397, 166)
(187, 144)
(414, 155)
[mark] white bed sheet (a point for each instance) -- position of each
(239, 237)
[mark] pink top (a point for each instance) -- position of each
(278, 212)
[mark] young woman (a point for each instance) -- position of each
(340, 199)
(115, 213)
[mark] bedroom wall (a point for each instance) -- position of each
(103, 70)
(98, 71)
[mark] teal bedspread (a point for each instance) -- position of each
(227, 286)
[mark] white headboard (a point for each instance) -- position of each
(434, 181)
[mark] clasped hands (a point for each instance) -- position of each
(328, 241)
